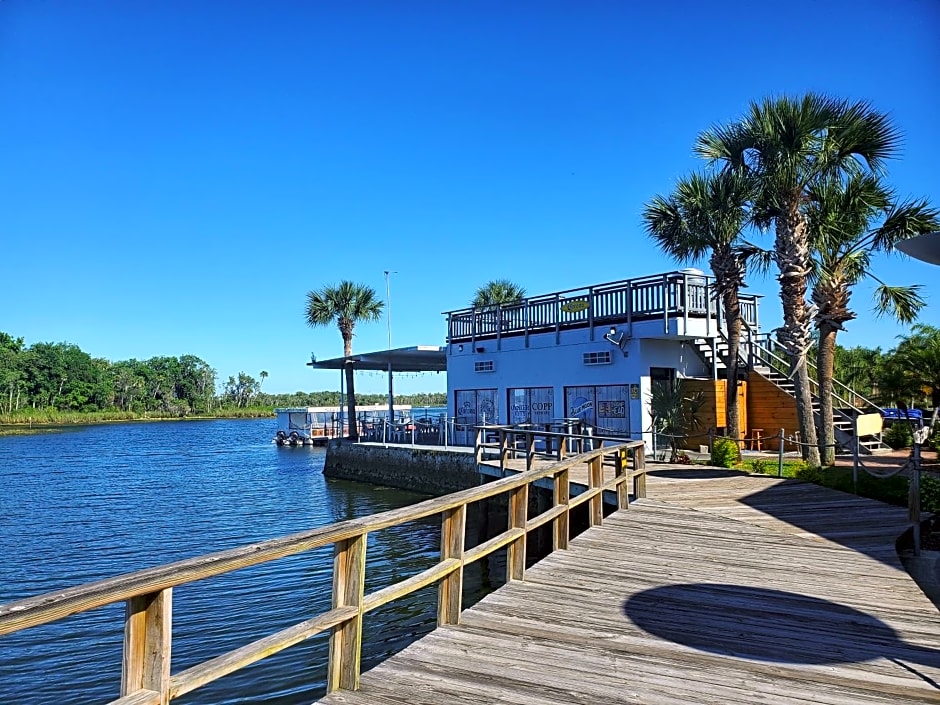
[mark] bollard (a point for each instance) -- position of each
(780, 453)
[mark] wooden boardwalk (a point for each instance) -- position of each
(719, 588)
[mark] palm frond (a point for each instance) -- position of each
(902, 302)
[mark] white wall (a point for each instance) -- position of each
(547, 363)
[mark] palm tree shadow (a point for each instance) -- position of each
(773, 626)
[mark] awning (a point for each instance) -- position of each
(923, 247)
(420, 358)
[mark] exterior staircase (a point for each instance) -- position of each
(756, 355)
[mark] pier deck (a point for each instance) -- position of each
(718, 588)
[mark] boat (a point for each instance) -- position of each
(315, 425)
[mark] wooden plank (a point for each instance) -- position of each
(349, 565)
(518, 509)
(450, 589)
(147, 639)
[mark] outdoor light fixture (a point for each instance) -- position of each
(460, 348)
(618, 340)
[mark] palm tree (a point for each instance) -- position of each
(346, 304)
(497, 292)
(788, 145)
(849, 221)
(705, 215)
(263, 374)
(917, 358)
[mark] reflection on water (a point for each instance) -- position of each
(96, 501)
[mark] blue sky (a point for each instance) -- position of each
(176, 176)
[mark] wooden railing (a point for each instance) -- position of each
(669, 295)
(147, 594)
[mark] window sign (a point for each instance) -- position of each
(604, 408)
(535, 405)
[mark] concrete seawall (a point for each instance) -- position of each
(427, 470)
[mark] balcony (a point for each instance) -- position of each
(668, 297)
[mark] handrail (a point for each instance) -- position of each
(146, 676)
(668, 295)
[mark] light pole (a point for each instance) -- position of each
(388, 321)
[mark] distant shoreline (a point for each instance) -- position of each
(33, 426)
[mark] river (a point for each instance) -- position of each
(87, 502)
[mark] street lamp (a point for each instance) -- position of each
(388, 321)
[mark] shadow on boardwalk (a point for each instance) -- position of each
(721, 588)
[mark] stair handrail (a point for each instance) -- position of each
(785, 364)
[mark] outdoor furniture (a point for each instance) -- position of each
(756, 438)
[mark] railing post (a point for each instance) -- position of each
(349, 569)
(639, 471)
(515, 554)
(780, 452)
(665, 299)
(596, 479)
(623, 492)
(450, 589)
(530, 449)
(503, 451)
(561, 495)
(147, 638)
(478, 445)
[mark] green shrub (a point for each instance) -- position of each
(763, 466)
(724, 453)
(808, 473)
(929, 493)
(898, 435)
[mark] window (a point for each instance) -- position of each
(483, 366)
(606, 408)
(597, 358)
(531, 405)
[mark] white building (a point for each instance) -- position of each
(591, 354)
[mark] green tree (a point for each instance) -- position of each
(263, 374)
(345, 305)
(787, 145)
(705, 216)
(916, 363)
(849, 221)
(675, 412)
(497, 292)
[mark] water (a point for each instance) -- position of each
(90, 502)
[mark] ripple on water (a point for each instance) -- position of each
(94, 501)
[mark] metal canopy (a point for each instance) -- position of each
(923, 247)
(420, 358)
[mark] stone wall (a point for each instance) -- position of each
(434, 472)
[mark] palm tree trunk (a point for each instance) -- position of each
(791, 250)
(351, 402)
(733, 319)
(825, 365)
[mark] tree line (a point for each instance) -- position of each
(63, 377)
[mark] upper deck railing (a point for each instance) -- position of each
(667, 296)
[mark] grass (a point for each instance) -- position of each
(35, 420)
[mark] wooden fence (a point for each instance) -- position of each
(147, 594)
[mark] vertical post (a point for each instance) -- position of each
(503, 451)
(595, 480)
(666, 303)
(711, 438)
(561, 495)
(147, 638)
(530, 448)
(349, 568)
(855, 459)
(914, 497)
(449, 590)
(639, 471)
(515, 555)
(780, 453)
(478, 446)
(623, 491)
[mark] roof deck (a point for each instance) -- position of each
(685, 295)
